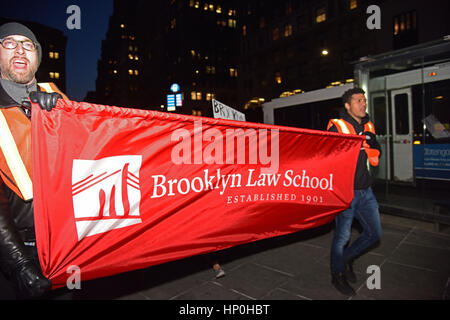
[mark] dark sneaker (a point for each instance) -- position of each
(339, 281)
(349, 273)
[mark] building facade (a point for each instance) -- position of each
(289, 46)
(243, 53)
(152, 45)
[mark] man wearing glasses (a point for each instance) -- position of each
(20, 56)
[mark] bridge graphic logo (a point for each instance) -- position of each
(106, 194)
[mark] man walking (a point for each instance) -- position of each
(364, 206)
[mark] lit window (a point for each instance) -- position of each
(211, 7)
(191, 3)
(275, 34)
(52, 75)
(195, 95)
(210, 69)
(288, 8)
(232, 23)
(122, 26)
(218, 9)
(136, 57)
(56, 55)
(115, 71)
(288, 30)
(130, 72)
(321, 15)
(244, 30)
(56, 75)
(233, 72)
(262, 22)
(205, 7)
(136, 72)
(405, 22)
(50, 54)
(353, 4)
(135, 49)
(130, 56)
(197, 4)
(173, 23)
(278, 77)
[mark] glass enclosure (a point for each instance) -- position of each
(409, 102)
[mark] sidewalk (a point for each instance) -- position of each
(414, 261)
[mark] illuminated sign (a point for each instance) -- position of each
(174, 87)
(175, 99)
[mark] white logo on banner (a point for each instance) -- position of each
(106, 194)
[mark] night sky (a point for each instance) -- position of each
(83, 46)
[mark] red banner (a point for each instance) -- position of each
(118, 189)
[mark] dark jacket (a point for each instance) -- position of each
(18, 253)
(363, 179)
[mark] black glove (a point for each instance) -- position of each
(371, 140)
(29, 280)
(17, 264)
(46, 100)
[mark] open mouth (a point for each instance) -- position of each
(20, 63)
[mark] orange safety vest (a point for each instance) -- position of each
(15, 144)
(344, 127)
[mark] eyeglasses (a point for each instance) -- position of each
(10, 43)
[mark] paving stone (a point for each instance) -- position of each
(253, 280)
(211, 291)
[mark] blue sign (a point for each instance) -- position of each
(179, 99)
(174, 87)
(171, 100)
(175, 100)
(432, 161)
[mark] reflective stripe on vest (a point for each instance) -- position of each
(20, 181)
(344, 127)
(51, 87)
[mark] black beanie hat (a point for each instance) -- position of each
(11, 28)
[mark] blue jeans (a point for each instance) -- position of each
(364, 207)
